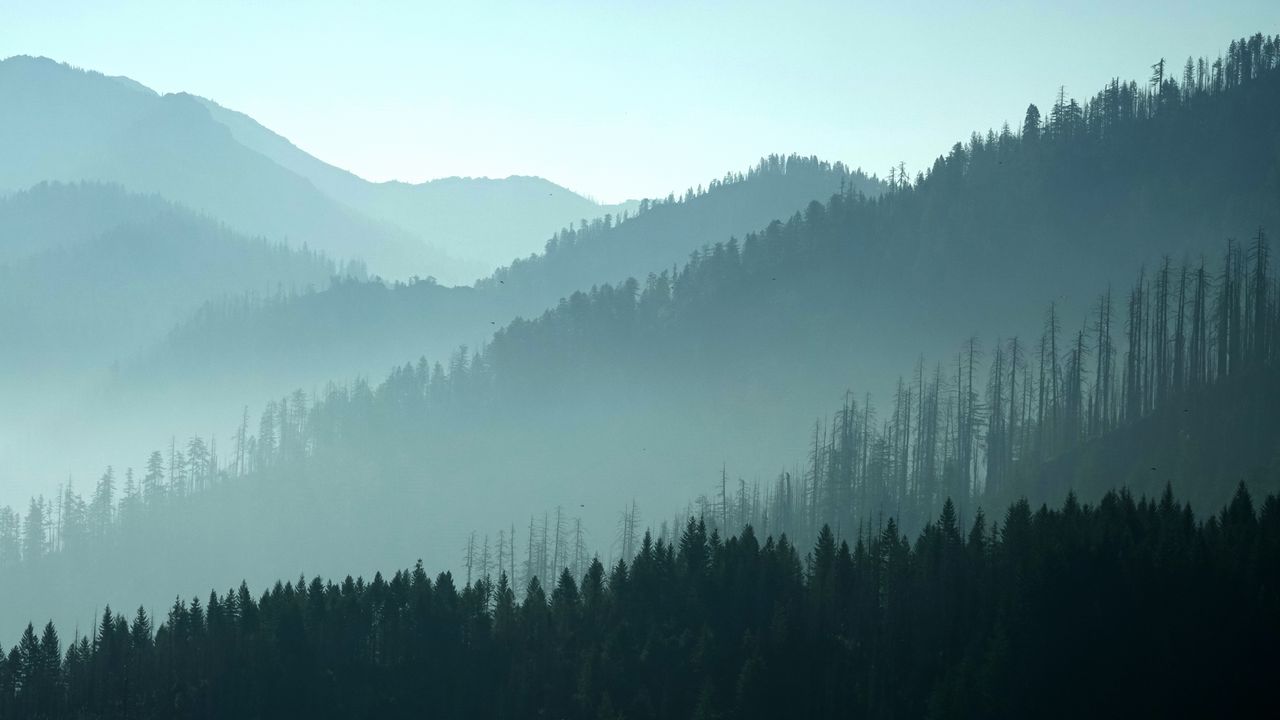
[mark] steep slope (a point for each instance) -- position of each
(89, 273)
(70, 125)
(851, 292)
(644, 390)
(358, 328)
(667, 231)
(353, 464)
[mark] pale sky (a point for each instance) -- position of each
(624, 99)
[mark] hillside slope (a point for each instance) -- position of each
(642, 392)
(75, 126)
(364, 328)
(90, 273)
(1071, 612)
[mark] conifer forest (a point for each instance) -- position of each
(990, 431)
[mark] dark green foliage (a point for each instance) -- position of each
(351, 326)
(619, 391)
(1127, 608)
(646, 387)
(863, 281)
(665, 231)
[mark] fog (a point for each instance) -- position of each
(226, 360)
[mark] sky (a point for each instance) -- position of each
(621, 100)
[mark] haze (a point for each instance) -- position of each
(673, 92)
(643, 361)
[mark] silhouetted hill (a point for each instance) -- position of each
(668, 230)
(89, 275)
(358, 328)
(1065, 205)
(644, 390)
(726, 357)
(654, 381)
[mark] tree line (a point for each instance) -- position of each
(977, 429)
(982, 428)
(1081, 610)
(375, 323)
(741, 320)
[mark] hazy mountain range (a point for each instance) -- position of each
(704, 331)
(618, 443)
(63, 123)
(90, 273)
(123, 212)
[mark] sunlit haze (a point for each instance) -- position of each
(674, 93)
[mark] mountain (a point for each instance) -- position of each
(751, 338)
(362, 328)
(1077, 611)
(238, 348)
(665, 232)
(71, 125)
(373, 464)
(186, 151)
(643, 392)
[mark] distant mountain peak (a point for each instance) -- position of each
(82, 125)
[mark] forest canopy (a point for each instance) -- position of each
(997, 619)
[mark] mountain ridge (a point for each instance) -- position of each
(80, 124)
(411, 205)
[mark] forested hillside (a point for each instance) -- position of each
(485, 222)
(1081, 611)
(667, 230)
(354, 328)
(90, 273)
(1059, 207)
(645, 390)
(1032, 421)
